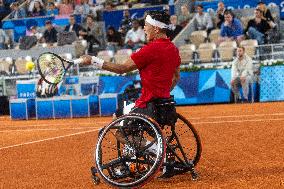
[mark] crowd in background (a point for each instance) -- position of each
(130, 33)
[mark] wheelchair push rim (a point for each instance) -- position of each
(150, 163)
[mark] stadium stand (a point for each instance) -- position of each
(187, 53)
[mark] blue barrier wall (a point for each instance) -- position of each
(206, 86)
(272, 83)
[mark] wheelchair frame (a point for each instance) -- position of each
(182, 165)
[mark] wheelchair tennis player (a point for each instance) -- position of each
(158, 64)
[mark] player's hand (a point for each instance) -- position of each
(87, 60)
(92, 60)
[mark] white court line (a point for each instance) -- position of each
(236, 121)
(48, 139)
(84, 132)
(55, 124)
(51, 129)
(233, 116)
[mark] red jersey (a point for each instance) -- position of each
(156, 62)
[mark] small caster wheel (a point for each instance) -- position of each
(96, 180)
(194, 175)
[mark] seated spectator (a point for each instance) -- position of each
(114, 40)
(90, 33)
(17, 12)
(4, 39)
(185, 16)
(242, 73)
(83, 9)
(109, 6)
(266, 14)
(174, 28)
(35, 32)
(73, 26)
(202, 20)
(51, 9)
(4, 10)
(65, 8)
(50, 34)
(257, 27)
(37, 10)
(231, 29)
(135, 38)
(126, 20)
(220, 14)
(31, 4)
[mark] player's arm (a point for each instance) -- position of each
(176, 78)
(118, 68)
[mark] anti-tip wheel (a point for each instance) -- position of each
(96, 180)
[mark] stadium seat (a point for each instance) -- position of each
(4, 67)
(198, 37)
(187, 53)
(122, 55)
(226, 50)
(206, 52)
(214, 35)
(250, 46)
(106, 55)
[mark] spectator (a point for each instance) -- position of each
(257, 27)
(72, 26)
(4, 10)
(174, 28)
(266, 14)
(65, 8)
(166, 9)
(90, 33)
(114, 39)
(185, 16)
(37, 10)
(31, 4)
(35, 32)
(17, 12)
(231, 29)
(4, 39)
(220, 14)
(242, 72)
(52, 10)
(109, 6)
(83, 9)
(135, 37)
(126, 20)
(50, 34)
(202, 20)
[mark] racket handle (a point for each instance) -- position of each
(78, 61)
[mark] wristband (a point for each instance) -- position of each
(97, 62)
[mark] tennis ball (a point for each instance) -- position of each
(30, 65)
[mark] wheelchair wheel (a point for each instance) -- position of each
(185, 142)
(124, 154)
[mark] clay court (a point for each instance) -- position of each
(242, 148)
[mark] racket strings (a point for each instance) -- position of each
(51, 67)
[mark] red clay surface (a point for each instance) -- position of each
(243, 147)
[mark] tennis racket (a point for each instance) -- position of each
(52, 68)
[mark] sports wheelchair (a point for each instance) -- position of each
(125, 156)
